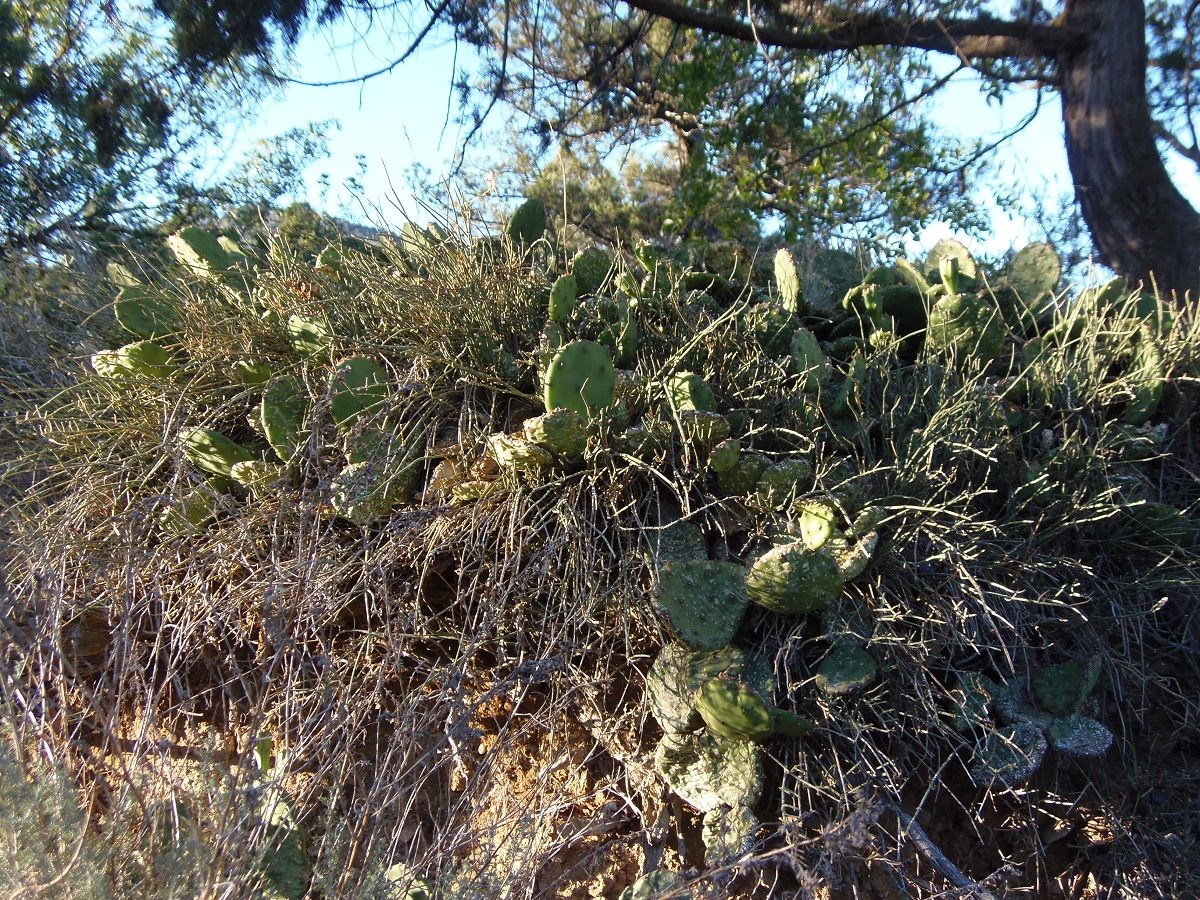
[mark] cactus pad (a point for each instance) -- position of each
(1079, 736)
(787, 281)
(1062, 690)
(144, 358)
(514, 453)
(972, 697)
(724, 456)
(742, 478)
(676, 542)
(308, 337)
(145, 312)
(199, 250)
(528, 222)
(562, 432)
(1008, 755)
(256, 474)
(846, 669)
(652, 885)
(948, 249)
(818, 522)
(968, 324)
(734, 710)
(702, 427)
(250, 373)
(581, 377)
(1146, 375)
(366, 491)
(687, 390)
(678, 674)
(704, 600)
(728, 833)
(794, 579)
(708, 772)
(283, 411)
(780, 483)
(1034, 272)
(809, 360)
(591, 268)
(357, 386)
(212, 452)
(562, 299)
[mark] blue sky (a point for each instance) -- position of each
(404, 117)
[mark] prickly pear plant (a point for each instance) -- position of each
(741, 479)
(1062, 689)
(189, 512)
(688, 391)
(967, 324)
(199, 251)
(1147, 374)
(724, 456)
(515, 453)
(728, 833)
(357, 386)
(675, 541)
(309, 337)
(250, 373)
(142, 358)
(528, 222)
(581, 376)
(733, 709)
(846, 668)
(675, 679)
(652, 885)
(591, 269)
(703, 600)
(818, 523)
(831, 274)
(781, 482)
(948, 249)
(283, 411)
(794, 579)
(562, 299)
(787, 282)
(146, 313)
(707, 771)
(563, 432)
(257, 475)
(1034, 273)
(809, 360)
(212, 452)
(1008, 755)
(702, 428)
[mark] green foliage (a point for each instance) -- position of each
(704, 601)
(580, 377)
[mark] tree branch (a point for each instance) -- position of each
(981, 38)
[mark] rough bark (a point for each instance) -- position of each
(1143, 226)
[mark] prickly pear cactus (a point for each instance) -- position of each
(210, 451)
(251, 373)
(818, 523)
(652, 885)
(357, 386)
(968, 324)
(949, 249)
(846, 669)
(1147, 374)
(1062, 689)
(780, 483)
(528, 222)
(514, 453)
(973, 697)
(591, 268)
(830, 275)
(704, 601)
(141, 358)
(735, 710)
(308, 337)
(724, 456)
(702, 427)
(581, 376)
(794, 579)
(1008, 755)
(563, 432)
(562, 299)
(196, 508)
(199, 251)
(676, 541)
(708, 772)
(365, 491)
(728, 833)
(1079, 736)
(741, 479)
(787, 282)
(679, 672)
(256, 474)
(283, 411)
(688, 391)
(1034, 273)
(145, 312)
(809, 360)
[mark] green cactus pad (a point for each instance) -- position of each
(283, 411)
(787, 282)
(678, 541)
(704, 601)
(199, 250)
(972, 698)
(357, 386)
(853, 556)
(1147, 375)
(686, 390)
(1062, 689)
(724, 456)
(516, 454)
(562, 298)
(145, 313)
(809, 360)
(831, 274)
(144, 358)
(256, 474)
(1008, 755)
(846, 669)
(794, 579)
(591, 268)
(906, 307)
(780, 483)
(1034, 272)
(742, 479)
(187, 513)
(818, 522)
(734, 710)
(967, 324)
(308, 337)
(1013, 707)
(250, 373)
(708, 772)
(581, 377)
(654, 884)
(678, 674)
(645, 440)
(528, 222)
(366, 491)
(728, 833)
(702, 427)
(210, 451)
(950, 249)
(563, 432)
(1079, 736)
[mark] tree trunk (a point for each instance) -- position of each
(1143, 226)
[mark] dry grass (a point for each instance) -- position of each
(456, 692)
